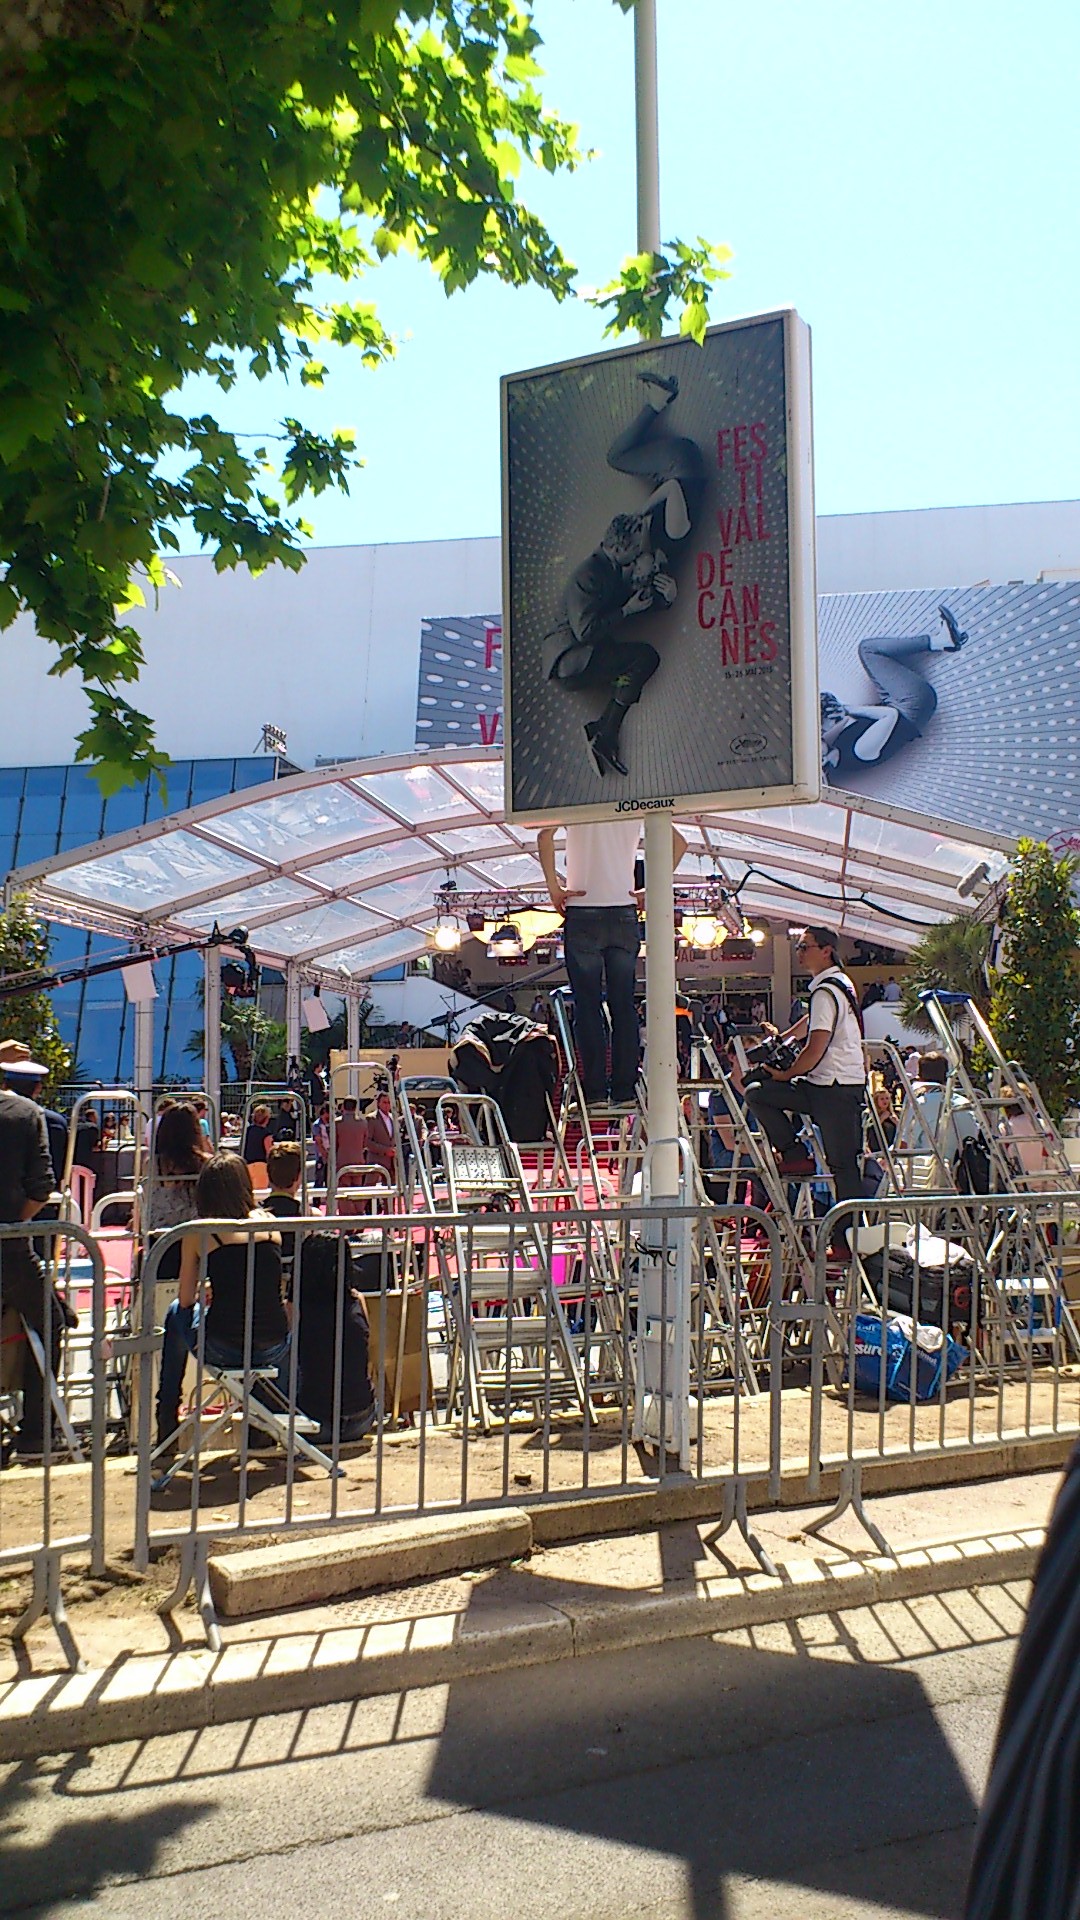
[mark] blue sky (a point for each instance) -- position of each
(906, 176)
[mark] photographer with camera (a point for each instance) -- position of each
(827, 1078)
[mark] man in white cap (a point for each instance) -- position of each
(26, 1186)
(26, 1076)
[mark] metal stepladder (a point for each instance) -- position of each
(1030, 1312)
(1026, 1149)
(511, 1340)
(753, 1161)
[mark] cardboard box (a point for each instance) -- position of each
(404, 1394)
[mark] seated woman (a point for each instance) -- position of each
(326, 1307)
(224, 1192)
(181, 1152)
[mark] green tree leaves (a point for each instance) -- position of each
(1035, 1011)
(24, 948)
(198, 190)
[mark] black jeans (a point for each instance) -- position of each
(837, 1110)
(601, 946)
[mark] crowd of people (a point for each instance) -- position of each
(253, 1173)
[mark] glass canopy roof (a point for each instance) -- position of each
(336, 871)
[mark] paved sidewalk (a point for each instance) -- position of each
(148, 1676)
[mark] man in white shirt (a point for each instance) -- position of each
(828, 1079)
(600, 905)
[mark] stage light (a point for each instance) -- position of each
(505, 943)
(446, 937)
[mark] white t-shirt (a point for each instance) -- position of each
(600, 862)
(831, 1012)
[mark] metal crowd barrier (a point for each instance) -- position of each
(990, 1273)
(506, 1321)
(68, 1506)
(522, 1355)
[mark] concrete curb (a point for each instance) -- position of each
(558, 1521)
(179, 1692)
(385, 1553)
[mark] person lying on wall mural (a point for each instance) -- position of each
(629, 573)
(857, 737)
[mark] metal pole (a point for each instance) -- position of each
(648, 127)
(292, 1014)
(661, 1416)
(352, 1025)
(144, 1052)
(662, 1061)
(212, 1024)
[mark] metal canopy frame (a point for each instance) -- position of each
(332, 871)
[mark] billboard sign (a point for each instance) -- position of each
(957, 704)
(658, 577)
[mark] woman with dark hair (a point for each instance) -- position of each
(168, 1194)
(233, 1262)
(854, 738)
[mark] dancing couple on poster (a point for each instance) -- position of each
(631, 572)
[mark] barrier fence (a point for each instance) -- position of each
(440, 1360)
(52, 1274)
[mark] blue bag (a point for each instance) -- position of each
(932, 1348)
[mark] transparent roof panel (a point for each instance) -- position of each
(301, 822)
(484, 780)
(236, 909)
(148, 876)
(883, 876)
(402, 899)
(516, 870)
(303, 932)
(419, 794)
(466, 840)
(368, 865)
(373, 955)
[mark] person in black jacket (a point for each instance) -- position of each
(26, 1186)
(328, 1317)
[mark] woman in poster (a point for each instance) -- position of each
(853, 738)
(629, 573)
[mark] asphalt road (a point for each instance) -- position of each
(827, 1770)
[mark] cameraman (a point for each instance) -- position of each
(827, 1081)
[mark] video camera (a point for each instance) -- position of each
(776, 1053)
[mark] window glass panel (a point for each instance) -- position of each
(84, 810)
(31, 847)
(124, 810)
(11, 783)
(7, 852)
(252, 772)
(45, 780)
(41, 814)
(210, 780)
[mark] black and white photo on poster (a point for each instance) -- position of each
(651, 599)
(959, 704)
